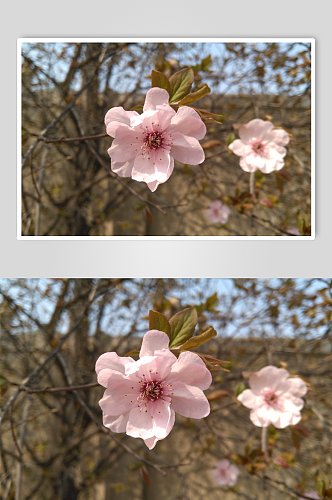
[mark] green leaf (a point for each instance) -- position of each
(239, 388)
(160, 80)
(195, 95)
(157, 321)
(199, 339)
(231, 138)
(211, 302)
(180, 84)
(206, 63)
(183, 326)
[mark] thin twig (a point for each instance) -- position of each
(56, 389)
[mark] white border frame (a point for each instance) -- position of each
(163, 40)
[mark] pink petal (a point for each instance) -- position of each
(256, 128)
(157, 366)
(110, 360)
(148, 421)
(144, 169)
(187, 149)
(245, 166)
(118, 114)
(189, 401)
(123, 169)
(116, 423)
(238, 147)
(191, 370)
(119, 397)
(267, 378)
(155, 97)
(159, 118)
(255, 161)
(125, 147)
(249, 399)
(156, 166)
(270, 166)
(165, 116)
(295, 386)
(258, 421)
(277, 152)
(116, 129)
(153, 340)
(151, 442)
(188, 122)
(278, 136)
(153, 185)
(162, 173)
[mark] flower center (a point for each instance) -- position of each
(258, 148)
(152, 389)
(155, 141)
(271, 398)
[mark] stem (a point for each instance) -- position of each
(264, 439)
(252, 183)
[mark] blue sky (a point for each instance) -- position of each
(123, 78)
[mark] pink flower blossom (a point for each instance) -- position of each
(294, 231)
(142, 396)
(225, 473)
(313, 494)
(260, 147)
(217, 212)
(145, 146)
(274, 398)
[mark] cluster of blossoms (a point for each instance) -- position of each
(217, 213)
(260, 147)
(274, 398)
(142, 396)
(145, 146)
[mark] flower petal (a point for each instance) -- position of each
(110, 360)
(155, 97)
(270, 166)
(249, 399)
(256, 128)
(148, 421)
(277, 136)
(153, 340)
(119, 397)
(188, 122)
(191, 370)
(245, 166)
(116, 423)
(125, 147)
(187, 149)
(189, 401)
(144, 169)
(268, 377)
(118, 114)
(258, 421)
(295, 386)
(238, 147)
(155, 367)
(151, 442)
(123, 169)
(153, 185)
